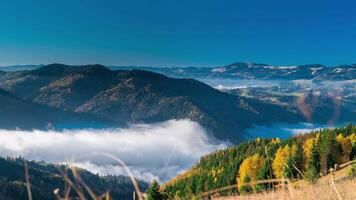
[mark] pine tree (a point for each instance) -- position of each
(294, 161)
(312, 165)
(153, 192)
(325, 142)
(264, 174)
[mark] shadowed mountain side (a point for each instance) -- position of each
(17, 113)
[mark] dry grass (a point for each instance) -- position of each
(346, 189)
(331, 187)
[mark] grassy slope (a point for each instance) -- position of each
(302, 190)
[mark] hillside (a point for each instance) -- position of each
(312, 154)
(46, 178)
(140, 96)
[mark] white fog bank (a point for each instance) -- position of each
(160, 150)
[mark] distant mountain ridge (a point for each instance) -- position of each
(242, 70)
(138, 96)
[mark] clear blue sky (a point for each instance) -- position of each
(177, 32)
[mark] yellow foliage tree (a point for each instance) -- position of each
(249, 169)
(281, 160)
(276, 141)
(352, 138)
(308, 147)
(346, 146)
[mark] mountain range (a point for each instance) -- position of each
(119, 97)
(241, 70)
(250, 71)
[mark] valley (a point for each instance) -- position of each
(199, 112)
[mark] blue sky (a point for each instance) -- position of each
(177, 32)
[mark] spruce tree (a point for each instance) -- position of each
(153, 192)
(264, 174)
(312, 166)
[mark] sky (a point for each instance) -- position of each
(177, 32)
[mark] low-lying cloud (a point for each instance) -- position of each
(151, 151)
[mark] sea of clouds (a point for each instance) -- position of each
(151, 151)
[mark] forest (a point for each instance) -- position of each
(305, 156)
(49, 181)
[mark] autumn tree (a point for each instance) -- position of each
(249, 170)
(285, 161)
(280, 160)
(352, 138)
(346, 147)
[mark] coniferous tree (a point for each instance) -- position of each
(325, 142)
(264, 174)
(312, 165)
(293, 162)
(153, 192)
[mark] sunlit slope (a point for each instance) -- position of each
(304, 157)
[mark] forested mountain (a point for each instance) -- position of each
(303, 156)
(141, 96)
(45, 179)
